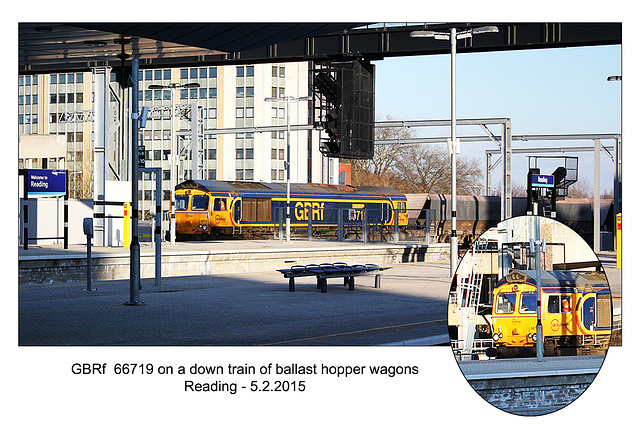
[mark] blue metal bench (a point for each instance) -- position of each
(326, 271)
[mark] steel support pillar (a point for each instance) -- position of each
(134, 249)
(101, 109)
(505, 197)
(197, 143)
(596, 195)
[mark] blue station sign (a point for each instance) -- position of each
(542, 181)
(46, 182)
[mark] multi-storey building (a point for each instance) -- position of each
(230, 97)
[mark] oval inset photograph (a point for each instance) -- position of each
(531, 315)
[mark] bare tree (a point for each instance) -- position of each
(381, 169)
(517, 189)
(581, 189)
(427, 169)
(414, 168)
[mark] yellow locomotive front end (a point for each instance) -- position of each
(400, 207)
(200, 213)
(514, 315)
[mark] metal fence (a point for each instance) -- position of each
(363, 225)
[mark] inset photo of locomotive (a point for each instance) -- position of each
(530, 315)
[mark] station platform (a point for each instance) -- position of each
(245, 309)
(54, 264)
(530, 367)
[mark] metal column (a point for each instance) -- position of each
(596, 195)
(101, 110)
(197, 142)
(487, 174)
(134, 250)
(505, 206)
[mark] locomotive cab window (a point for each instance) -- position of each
(182, 203)
(559, 304)
(200, 203)
(506, 302)
(528, 302)
(219, 204)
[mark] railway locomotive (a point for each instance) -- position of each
(214, 208)
(575, 312)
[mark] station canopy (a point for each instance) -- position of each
(49, 47)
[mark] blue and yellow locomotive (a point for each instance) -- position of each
(214, 208)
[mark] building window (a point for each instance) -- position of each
(239, 153)
(240, 92)
(240, 71)
(239, 113)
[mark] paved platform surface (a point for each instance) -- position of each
(148, 248)
(246, 309)
(530, 367)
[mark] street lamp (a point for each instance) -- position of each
(173, 161)
(287, 164)
(453, 36)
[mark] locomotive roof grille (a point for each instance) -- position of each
(558, 279)
(257, 188)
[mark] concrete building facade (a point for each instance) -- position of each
(230, 97)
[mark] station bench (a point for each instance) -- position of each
(326, 271)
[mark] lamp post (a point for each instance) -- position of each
(287, 165)
(453, 36)
(173, 161)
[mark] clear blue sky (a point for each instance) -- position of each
(543, 91)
